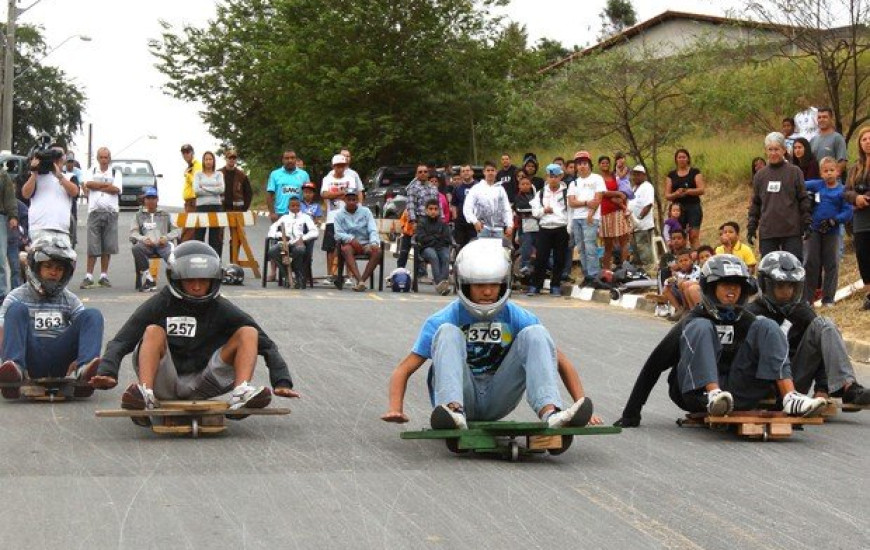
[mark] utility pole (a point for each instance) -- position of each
(8, 77)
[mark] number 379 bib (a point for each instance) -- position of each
(181, 326)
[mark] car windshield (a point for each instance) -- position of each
(133, 167)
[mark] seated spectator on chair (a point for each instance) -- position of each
(357, 233)
(433, 242)
(300, 233)
(152, 234)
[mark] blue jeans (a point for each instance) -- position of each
(439, 259)
(527, 246)
(586, 239)
(4, 237)
(529, 366)
(14, 264)
(51, 357)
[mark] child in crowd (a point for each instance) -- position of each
(300, 233)
(528, 223)
(433, 241)
(667, 264)
(673, 222)
(681, 288)
(486, 352)
(309, 205)
(729, 236)
(705, 252)
(830, 212)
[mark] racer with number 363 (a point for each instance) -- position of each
(188, 342)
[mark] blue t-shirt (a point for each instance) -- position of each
(315, 210)
(829, 203)
(284, 184)
(486, 343)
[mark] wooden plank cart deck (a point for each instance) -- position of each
(44, 389)
(762, 425)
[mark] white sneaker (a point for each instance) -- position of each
(798, 404)
(577, 415)
(662, 310)
(252, 397)
(443, 418)
(719, 403)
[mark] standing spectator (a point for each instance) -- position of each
(685, 185)
(585, 194)
(831, 211)
(802, 156)
(550, 206)
(350, 172)
(780, 208)
(74, 174)
(788, 130)
(528, 223)
(193, 166)
(209, 187)
(283, 182)
(8, 222)
(357, 233)
(828, 142)
(530, 167)
(615, 227)
(237, 191)
(757, 164)
(51, 196)
(433, 242)
(487, 207)
(152, 233)
(102, 187)
(463, 231)
(641, 207)
(419, 192)
(336, 185)
(309, 204)
(15, 245)
(507, 177)
(858, 194)
(440, 183)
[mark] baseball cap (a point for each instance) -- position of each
(70, 157)
(639, 168)
(583, 155)
(150, 192)
(339, 159)
(309, 185)
(554, 170)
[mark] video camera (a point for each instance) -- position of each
(44, 153)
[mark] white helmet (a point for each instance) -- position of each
(483, 261)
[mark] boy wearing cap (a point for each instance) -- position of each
(102, 187)
(550, 206)
(151, 233)
(584, 196)
(641, 210)
(357, 233)
(487, 207)
(336, 185)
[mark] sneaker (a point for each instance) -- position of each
(148, 285)
(555, 290)
(328, 280)
(11, 373)
(251, 397)
(798, 404)
(360, 287)
(443, 287)
(104, 282)
(577, 415)
(139, 398)
(83, 375)
(855, 394)
(662, 310)
(88, 283)
(444, 418)
(719, 403)
(348, 281)
(531, 291)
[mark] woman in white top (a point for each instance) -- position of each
(208, 185)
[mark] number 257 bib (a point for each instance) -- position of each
(181, 326)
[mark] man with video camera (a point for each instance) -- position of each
(51, 195)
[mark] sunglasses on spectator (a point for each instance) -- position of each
(232, 157)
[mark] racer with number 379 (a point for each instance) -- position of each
(188, 342)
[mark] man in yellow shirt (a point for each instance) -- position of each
(193, 166)
(729, 236)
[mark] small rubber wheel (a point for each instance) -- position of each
(194, 428)
(514, 449)
(566, 442)
(765, 434)
(615, 294)
(453, 445)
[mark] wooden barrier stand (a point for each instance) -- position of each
(236, 221)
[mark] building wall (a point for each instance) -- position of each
(670, 37)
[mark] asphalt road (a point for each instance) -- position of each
(332, 475)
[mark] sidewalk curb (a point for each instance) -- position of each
(858, 350)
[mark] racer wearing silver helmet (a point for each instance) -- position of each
(778, 268)
(483, 261)
(50, 249)
(725, 268)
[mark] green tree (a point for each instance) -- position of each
(616, 16)
(44, 100)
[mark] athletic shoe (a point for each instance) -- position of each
(662, 310)
(139, 398)
(855, 394)
(531, 291)
(577, 415)
(88, 283)
(104, 282)
(443, 418)
(148, 285)
(251, 397)
(555, 290)
(719, 403)
(11, 373)
(360, 287)
(798, 404)
(443, 287)
(83, 375)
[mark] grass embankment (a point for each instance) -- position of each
(725, 161)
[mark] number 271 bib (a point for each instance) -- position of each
(181, 326)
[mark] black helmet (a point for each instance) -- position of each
(234, 275)
(725, 267)
(781, 267)
(194, 260)
(43, 250)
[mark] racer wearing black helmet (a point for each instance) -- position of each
(720, 356)
(816, 349)
(191, 343)
(45, 328)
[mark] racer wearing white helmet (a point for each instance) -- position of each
(483, 261)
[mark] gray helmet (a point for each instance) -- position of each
(194, 260)
(728, 268)
(483, 261)
(234, 275)
(46, 249)
(781, 267)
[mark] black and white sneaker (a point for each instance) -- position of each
(148, 285)
(444, 418)
(577, 415)
(798, 404)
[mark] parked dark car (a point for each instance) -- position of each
(382, 188)
(137, 175)
(14, 165)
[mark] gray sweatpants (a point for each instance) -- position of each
(822, 356)
(216, 379)
(760, 360)
(822, 263)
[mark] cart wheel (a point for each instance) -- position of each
(615, 294)
(194, 428)
(566, 442)
(765, 434)
(680, 422)
(514, 449)
(453, 446)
